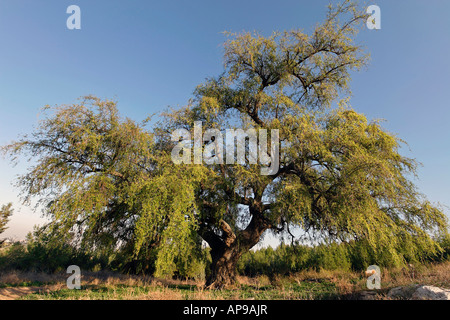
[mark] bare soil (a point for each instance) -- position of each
(13, 293)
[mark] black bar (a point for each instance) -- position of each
(220, 309)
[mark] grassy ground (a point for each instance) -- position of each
(299, 286)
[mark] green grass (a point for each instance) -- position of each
(305, 285)
(24, 284)
(303, 290)
(90, 293)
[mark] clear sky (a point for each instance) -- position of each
(151, 54)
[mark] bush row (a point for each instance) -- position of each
(44, 256)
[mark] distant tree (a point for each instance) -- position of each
(5, 213)
(109, 181)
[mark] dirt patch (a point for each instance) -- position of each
(12, 293)
(17, 292)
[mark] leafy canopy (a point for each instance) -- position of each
(104, 182)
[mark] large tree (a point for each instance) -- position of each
(340, 177)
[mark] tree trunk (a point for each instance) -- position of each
(223, 267)
(228, 248)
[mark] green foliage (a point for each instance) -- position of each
(356, 256)
(444, 243)
(5, 213)
(42, 255)
(353, 185)
(290, 259)
(330, 257)
(105, 184)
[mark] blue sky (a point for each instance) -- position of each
(151, 54)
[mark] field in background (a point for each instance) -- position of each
(299, 286)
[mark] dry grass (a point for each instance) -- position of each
(307, 284)
(17, 278)
(348, 283)
(433, 274)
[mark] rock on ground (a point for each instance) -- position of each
(419, 292)
(431, 293)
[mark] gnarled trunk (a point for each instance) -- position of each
(223, 267)
(228, 248)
